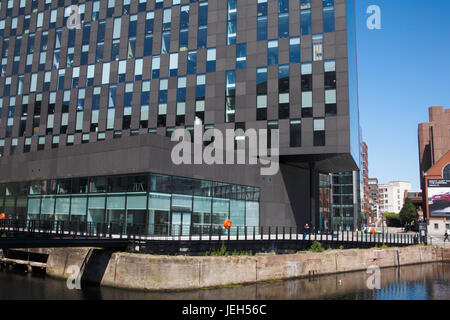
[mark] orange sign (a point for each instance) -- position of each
(372, 231)
(227, 224)
(2, 216)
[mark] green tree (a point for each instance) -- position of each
(408, 214)
(392, 219)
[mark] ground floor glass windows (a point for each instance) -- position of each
(162, 205)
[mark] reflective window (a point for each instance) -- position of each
(202, 34)
(148, 44)
(122, 71)
(117, 28)
(165, 42)
(231, 22)
(241, 56)
(317, 42)
(328, 15)
(294, 50)
(173, 65)
(295, 133)
(230, 96)
(262, 28)
(156, 63)
(283, 25)
(138, 65)
(162, 102)
(272, 52)
(211, 60)
(167, 19)
(271, 125)
(192, 62)
(305, 22)
(283, 91)
(149, 22)
(184, 28)
(319, 132)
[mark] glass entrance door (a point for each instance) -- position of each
(181, 222)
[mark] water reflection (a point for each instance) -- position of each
(421, 282)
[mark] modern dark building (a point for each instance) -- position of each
(87, 112)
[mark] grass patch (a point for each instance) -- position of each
(222, 252)
(316, 247)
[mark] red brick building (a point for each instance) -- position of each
(434, 157)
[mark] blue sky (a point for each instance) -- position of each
(403, 69)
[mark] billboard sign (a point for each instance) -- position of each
(439, 198)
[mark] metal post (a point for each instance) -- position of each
(75, 233)
(237, 232)
(269, 232)
(245, 232)
(290, 233)
(284, 233)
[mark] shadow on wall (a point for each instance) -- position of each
(296, 181)
(96, 266)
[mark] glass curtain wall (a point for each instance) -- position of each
(151, 204)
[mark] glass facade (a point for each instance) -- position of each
(325, 205)
(158, 203)
(345, 207)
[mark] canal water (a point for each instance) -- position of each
(419, 282)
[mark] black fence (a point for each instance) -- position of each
(169, 238)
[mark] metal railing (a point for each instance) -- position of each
(199, 232)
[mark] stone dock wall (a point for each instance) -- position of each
(158, 273)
